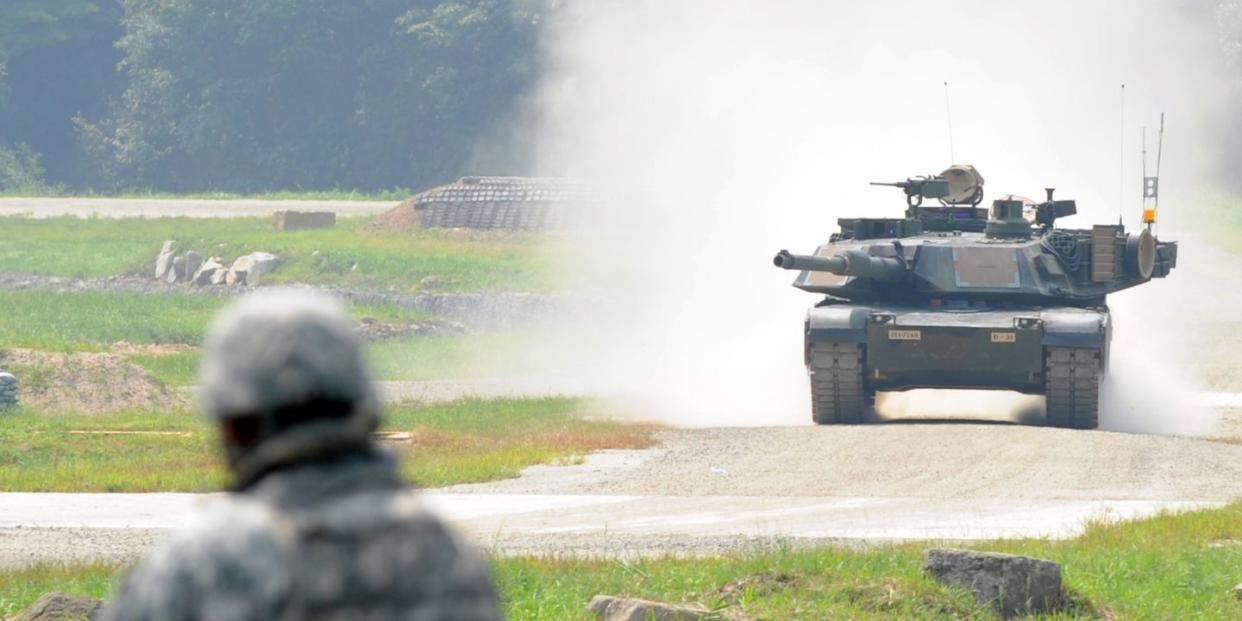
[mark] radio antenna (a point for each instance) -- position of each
(948, 115)
(1121, 164)
(1151, 185)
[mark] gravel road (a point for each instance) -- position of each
(931, 461)
(190, 208)
(707, 491)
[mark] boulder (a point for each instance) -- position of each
(176, 273)
(219, 277)
(1013, 585)
(235, 277)
(164, 261)
(193, 261)
(609, 608)
(286, 220)
(61, 607)
(247, 269)
(206, 274)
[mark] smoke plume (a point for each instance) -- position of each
(724, 131)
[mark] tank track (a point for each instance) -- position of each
(837, 394)
(1072, 387)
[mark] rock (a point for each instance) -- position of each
(1013, 585)
(235, 277)
(61, 607)
(164, 261)
(219, 276)
(609, 608)
(286, 220)
(193, 261)
(176, 273)
(247, 269)
(206, 274)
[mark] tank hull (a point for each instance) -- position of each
(902, 348)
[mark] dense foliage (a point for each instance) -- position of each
(253, 95)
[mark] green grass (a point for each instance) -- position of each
(416, 359)
(432, 260)
(176, 369)
(1167, 567)
(445, 357)
(93, 321)
(460, 442)
(394, 194)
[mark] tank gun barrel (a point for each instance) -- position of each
(852, 263)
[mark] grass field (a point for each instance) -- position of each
(418, 359)
(94, 321)
(395, 194)
(1167, 567)
(466, 441)
(432, 261)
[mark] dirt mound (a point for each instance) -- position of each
(86, 382)
(400, 219)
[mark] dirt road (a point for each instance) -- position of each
(190, 208)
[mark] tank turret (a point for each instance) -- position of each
(957, 296)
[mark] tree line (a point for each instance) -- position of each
(259, 95)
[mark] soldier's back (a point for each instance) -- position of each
(342, 539)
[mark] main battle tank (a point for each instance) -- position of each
(958, 296)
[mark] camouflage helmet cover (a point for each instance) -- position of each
(285, 348)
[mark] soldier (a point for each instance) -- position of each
(319, 525)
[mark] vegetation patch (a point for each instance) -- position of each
(347, 255)
(466, 441)
(20, 588)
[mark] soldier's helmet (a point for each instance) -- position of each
(282, 356)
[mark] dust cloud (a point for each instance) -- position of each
(725, 131)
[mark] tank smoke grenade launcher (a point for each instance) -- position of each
(953, 295)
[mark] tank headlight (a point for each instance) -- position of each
(883, 318)
(1028, 323)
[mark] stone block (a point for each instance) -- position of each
(286, 220)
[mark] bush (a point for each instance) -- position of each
(20, 169)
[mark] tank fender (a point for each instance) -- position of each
(1074, 329)
(837, 324)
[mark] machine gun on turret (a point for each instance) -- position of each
(957, 185)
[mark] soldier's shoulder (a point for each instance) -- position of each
(230, 556)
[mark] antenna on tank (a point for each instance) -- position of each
(948, 115)
(1151, 185)
(1121, 159)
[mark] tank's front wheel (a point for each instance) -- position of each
(837, 392)
(1072, 387)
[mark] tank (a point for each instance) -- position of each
(955, 295)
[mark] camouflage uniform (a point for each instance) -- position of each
(322, 528)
